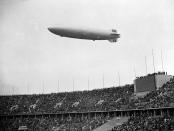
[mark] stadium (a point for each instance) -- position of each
(63, 69)
(109, 109)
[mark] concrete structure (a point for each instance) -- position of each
(151, 82)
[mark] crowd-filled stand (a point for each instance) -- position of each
(108, 99)
(82, 101)
(164, 97)
(55, 123)
(147, 123)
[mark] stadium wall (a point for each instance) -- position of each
(150, 82)
(162, 79)
(144, 84)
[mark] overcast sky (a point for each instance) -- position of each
(33, 60)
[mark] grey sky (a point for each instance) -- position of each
(30, 56)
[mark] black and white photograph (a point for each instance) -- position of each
(86, 65)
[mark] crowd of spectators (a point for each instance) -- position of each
(147, 123)
(55, 123)
(107, 99)
(82, 101)
(164, 97)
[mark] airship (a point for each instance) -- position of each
(88, 34)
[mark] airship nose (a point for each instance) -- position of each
(51, 29)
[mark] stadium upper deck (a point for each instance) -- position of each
(108, 99)
(95, 100)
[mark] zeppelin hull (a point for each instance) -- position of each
(85, 34)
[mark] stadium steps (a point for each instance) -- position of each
(116, 121)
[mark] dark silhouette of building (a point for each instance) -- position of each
(151, 82)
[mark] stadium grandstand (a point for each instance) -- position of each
(108, 109)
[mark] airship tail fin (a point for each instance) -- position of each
(113, 40)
